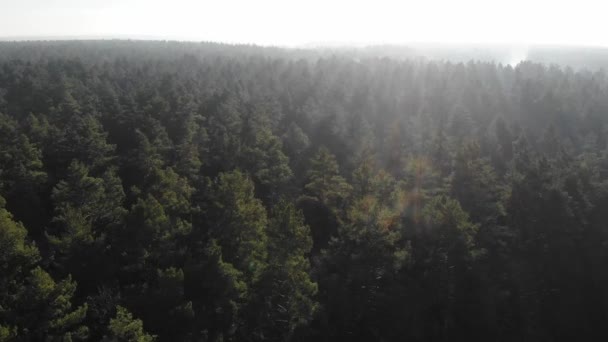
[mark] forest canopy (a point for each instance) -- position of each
(164, 191)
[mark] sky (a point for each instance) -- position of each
(312, 22)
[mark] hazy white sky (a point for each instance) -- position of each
(284, 22)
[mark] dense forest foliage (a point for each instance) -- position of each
(204, 192)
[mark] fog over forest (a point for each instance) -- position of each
(187, 191)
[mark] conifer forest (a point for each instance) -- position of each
(205, 192)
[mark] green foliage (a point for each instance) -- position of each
(99, 199)
(145, 158)
(224, 125)
(22, 174)
(239, 193)
(18, 255)
(224, 296)
(48, 305)
(32, 305)
(87, 208)
(240, 224)
(83, 139)
(366, 253)
(475, 185)
(125, 328)
(295, 141)
(21, 160)
(157, 223)
(286, 291)
(324, 180)
(268, 164)
(446, 219)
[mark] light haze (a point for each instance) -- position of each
(312, 22)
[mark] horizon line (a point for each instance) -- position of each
(309, 45)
